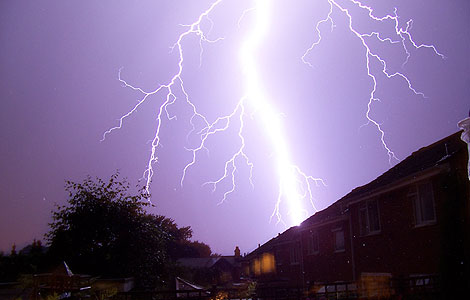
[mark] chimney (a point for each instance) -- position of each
(237, 252)
(465, 125)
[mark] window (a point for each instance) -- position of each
(369, 217)
(295, 254)
(313, 244)
(278, 257)
(256, 267)
(339, 240)
(267, 263)
(423, 203)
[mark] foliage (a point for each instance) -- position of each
(105, 230)
(249, 291)
(31, 259)
(185, 248)
(54, 296)
(26, 281)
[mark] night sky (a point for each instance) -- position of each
(60, 91)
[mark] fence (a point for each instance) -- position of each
(213, 294)
(419, 287)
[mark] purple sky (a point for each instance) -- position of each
(59, 91)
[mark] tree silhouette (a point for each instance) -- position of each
(105, 230)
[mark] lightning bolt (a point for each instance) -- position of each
(170, 98)
(403, 36)
(295, 185)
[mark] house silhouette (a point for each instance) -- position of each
(405, 232)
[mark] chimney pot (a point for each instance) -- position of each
(237, 251)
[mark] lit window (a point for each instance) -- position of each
(267, 263)
(369, 217)
(313, 245)
(423, 203)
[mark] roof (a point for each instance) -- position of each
(419, 161)
(62, 269)
(424, 159)
(206, 262)
(286, 236)
(183, 284)
(198, 262)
